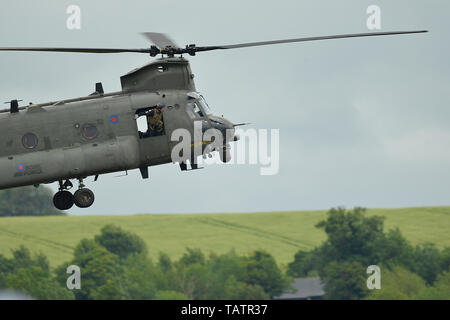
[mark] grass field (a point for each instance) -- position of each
(280, 233)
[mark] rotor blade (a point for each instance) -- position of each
(265, 43)
(161, 40)
(77, 50)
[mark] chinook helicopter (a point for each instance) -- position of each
(73, 139)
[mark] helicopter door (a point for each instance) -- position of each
(150, 122)
(154, 146)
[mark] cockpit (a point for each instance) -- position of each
(197, 105)
(199, 110)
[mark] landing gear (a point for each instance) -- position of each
(83, 198)
(64, 200)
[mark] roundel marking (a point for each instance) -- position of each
(114, 119)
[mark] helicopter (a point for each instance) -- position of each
(76, 138)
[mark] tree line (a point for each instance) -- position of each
(356, 241)
(27, 201)
(115, 265)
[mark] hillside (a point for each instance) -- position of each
(280, 233)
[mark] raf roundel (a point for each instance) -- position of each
(114, 119)
(20, 167)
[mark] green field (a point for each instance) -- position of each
(280, 233)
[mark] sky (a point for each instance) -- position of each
(362, 122)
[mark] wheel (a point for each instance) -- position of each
(63, 200)
(83, 198)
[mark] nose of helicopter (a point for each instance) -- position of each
(225, 126)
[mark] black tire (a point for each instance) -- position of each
(83, 198)
(63, 200)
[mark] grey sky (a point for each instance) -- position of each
(362, 121)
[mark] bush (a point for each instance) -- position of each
(261, 269)
(100, 272)
(119, 242)
(344, 280)
(31, 275)
(440, 290)
(398, 284)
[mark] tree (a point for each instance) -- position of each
(350, 236)
(22, 259)
(27, 201)
(164, 262)
(392, 249)
(31, 275)
(166, 270)
(305, 262)
(220, 269)
(37, 282)
(139, 277)
(192, 280)
(344, 280)
(192, 256)
(100, 272)
(439, 291)
(238, 290)
(445, 260)
(6, 267)
(355, 241)
(427, 262)
(260, 268)
(119, 242)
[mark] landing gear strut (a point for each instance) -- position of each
(83, 197)
(64, 200)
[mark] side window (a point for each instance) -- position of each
(150, 122)
(29, 140)
(90, 131)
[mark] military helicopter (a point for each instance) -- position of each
(73, 139)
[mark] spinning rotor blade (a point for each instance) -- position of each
(164, 45)
(341, 36)
(192, 49)
(161, 40)
(77, 50)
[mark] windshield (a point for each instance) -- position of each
(204, 105)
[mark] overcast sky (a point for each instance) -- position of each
(363, 122)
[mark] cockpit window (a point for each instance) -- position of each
(205, 106)
(199, 104)
(193, 110)
(196, 109)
